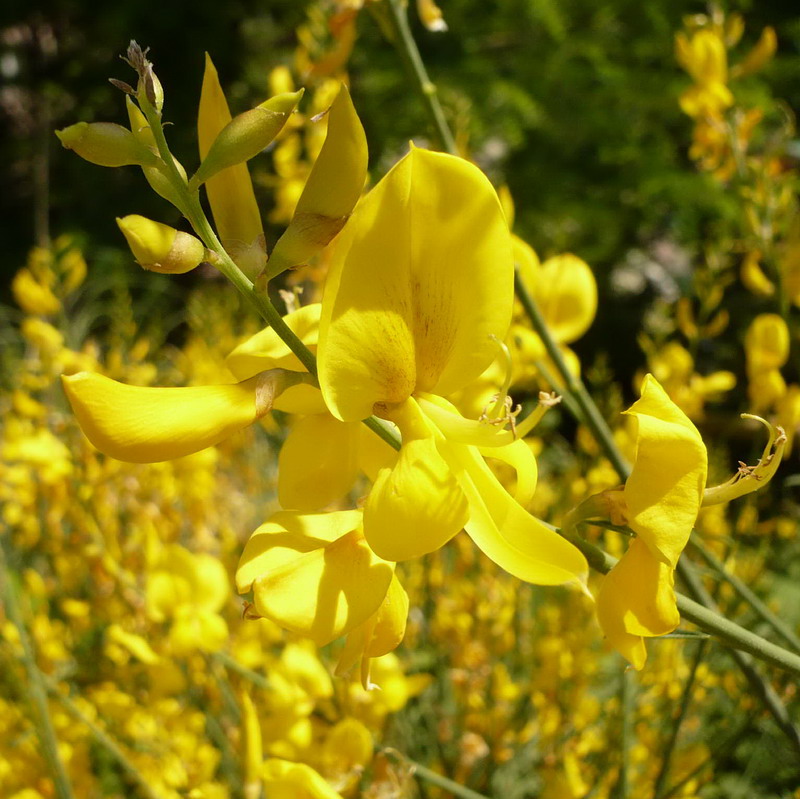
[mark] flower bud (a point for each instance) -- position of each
(331, 191)
(161, 248)
(155, 175)
(106, 144)
(246, 135)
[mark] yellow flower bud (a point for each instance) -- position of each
(246, 135)
(161, 248)
(106, 144)
(33, 296)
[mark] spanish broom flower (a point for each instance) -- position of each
(659, 502)
(419, 291)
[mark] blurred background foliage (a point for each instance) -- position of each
(572, 104)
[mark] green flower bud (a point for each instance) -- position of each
(158, 180)
(106, 144)
(246, 135)
(161, 248)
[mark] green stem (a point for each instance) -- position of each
(193, 210)
(433, 778)
(409, 52)
(107, 742)
(708, 619)
(779, 626)
(760, 686)
(230, 663)
(621, 789)
(720, 753)
(37, 691)
(590, 415)
(683, 708)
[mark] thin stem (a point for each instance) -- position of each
(230, 663)
(720, 753)
(433, 778)
(708, 619)
(37, 691)
(686, 698)
(106, 741)
(746, 594)
(590, 415)
(409, 52)
(762, 688)
(621, 789)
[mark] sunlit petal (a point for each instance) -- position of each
(664, 491)
(146, 425)
(421, 276)
(318, 462)
(317, 588)
(505, 532)
(418, 505)
(266, 350)
(637, 599)
(521, 459)
(460, 430)
(230, 192)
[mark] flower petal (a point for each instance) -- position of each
(521, 459)
(505, 532)
(637, 599)
(318, 462)
(421, 276)
(265, 350)
(315, 587)
(230, 192)
(665, 488)
(417, 506)
(379, 635)
(139, 424)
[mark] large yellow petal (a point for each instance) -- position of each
(508, 534)
(637, 599)
(318, 462)
(417, 506)
(230, 192)
(665, 488)
(420, 278)
(314, 574)
(146, 425)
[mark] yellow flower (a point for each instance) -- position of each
(660, 503)
(565, 290)
(420, 289)
(704, 57)
(314, 574)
